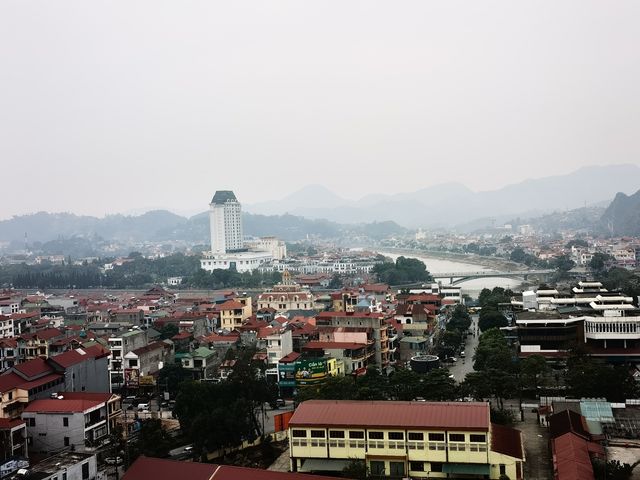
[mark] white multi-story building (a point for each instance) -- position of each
(225, 222)
(227, 247)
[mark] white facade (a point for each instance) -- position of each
(241, 261)
(225, 222)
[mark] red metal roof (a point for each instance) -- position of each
(145, 468)
(571, 460)
(417, 415)
(33, 368)
(64, 405)
(507, 441)
(7, 423)
(73, 357)
(334, 345)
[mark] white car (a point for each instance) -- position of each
(113, 461)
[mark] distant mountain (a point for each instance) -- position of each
(622, 217)
(308, 197)
(452, 204)
(50, 229)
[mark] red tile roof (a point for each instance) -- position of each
(149, 348)
(230, 305)
(507, 441)
(417, 415)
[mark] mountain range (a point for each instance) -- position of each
(161, 225)
(451, 204)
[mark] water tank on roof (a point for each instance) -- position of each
(424, 363)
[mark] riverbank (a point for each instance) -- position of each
(493, 263)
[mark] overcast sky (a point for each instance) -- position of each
(115, 106)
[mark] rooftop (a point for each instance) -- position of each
(412, 415)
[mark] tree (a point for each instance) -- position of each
(592, 378)
(563, 263)
(152, 441)
(578, 242)
(356, 469)
(490, 318)
(532, 371)
(600, 261)
(172, 375)
(169, 330)
(518, 255)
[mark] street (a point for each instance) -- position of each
(465, 365)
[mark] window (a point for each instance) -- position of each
(299, 433)
(456, 437)
(356, 434)
(416, 466)
(317, 433)
(396, 435)
(397, 468)
(376, 467)
(85, 471)
(65, 421)
(503, 470)
(32, 421)
(477, 438)
(336, 434)
(436, 437)
(66, 441)
(10, 395)
(415, 436)
(376, 435)
(436, 467)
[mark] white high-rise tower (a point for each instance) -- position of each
(227, 243)
(225, 222)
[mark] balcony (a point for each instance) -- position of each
(608, 329)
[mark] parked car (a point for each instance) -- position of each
(113, 461)
(280, 403)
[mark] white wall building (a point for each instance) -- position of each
(225, 222)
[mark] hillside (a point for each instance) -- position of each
(161, 225)
(622, 217)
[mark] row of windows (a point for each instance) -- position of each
(379, 435)
(390, 445)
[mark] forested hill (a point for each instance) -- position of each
(622, 217)
(161, 225)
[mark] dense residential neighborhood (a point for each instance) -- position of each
(370, 367)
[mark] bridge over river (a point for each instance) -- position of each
(459, 277)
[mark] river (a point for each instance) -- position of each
(470, 287)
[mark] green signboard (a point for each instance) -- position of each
(310, 371)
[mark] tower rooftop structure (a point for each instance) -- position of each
(223, 196)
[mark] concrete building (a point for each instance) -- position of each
(225, 222)
(120, 344)
(404, 439)
(80, 421)
(370, 329)
(287, 295)
(234, 312)
(201, 362)
(149, 359)
(13, 439)
(65, 465)
(227, 246)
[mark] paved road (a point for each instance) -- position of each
(465, 365)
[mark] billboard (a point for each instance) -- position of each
(132, 377)
(310, 371)
(287, 374)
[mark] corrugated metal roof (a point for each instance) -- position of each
(463, 415)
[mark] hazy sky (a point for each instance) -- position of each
(114, 106)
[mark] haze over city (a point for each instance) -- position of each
(120, 107)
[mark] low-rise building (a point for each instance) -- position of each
(201, 362)
(404, 439)
(80, 421)
(65, 465)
